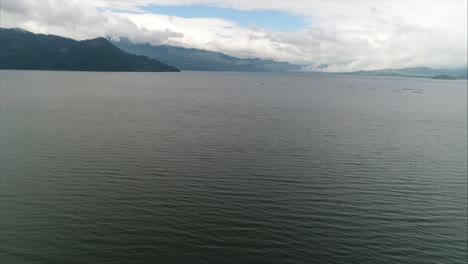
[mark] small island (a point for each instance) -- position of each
(443, 77)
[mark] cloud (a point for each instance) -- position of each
(343, 36)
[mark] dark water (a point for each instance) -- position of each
(232, 168)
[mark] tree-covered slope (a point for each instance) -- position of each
(204, 60)
(20, 49)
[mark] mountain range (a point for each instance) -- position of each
(24, 50)
(421, 72)
(204, 60)
(20, 49)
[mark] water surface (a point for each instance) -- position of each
(206, 167)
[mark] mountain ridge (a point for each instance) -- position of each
(421, 72)
(24, 50)
(21, 49)
(204, 60)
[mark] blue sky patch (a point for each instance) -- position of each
(269, 19)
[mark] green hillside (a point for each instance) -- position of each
(24, 50)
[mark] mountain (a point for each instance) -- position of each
(204, 60)
(20, 49)
(424, 72)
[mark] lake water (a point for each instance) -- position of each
(201, 167)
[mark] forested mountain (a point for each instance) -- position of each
(20, 49)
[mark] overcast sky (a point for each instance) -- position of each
(345, 35)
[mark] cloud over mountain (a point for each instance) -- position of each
(344, 36)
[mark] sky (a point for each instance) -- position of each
(323, 35)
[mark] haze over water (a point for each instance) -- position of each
(200, 167)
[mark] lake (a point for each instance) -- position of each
(205, 167)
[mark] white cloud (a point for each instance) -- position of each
(345, 35)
